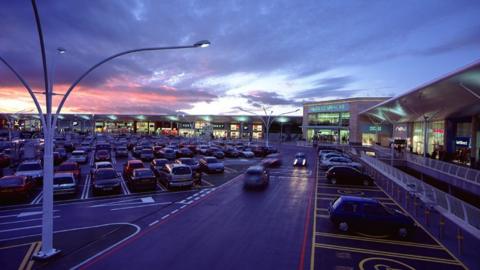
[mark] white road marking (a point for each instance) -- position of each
(174, 211)
(86, 187)
(167, 215)
(183, 206)
(38, 198)
(139, 206)
(21, 228)
(208, 183)
(161, 187)
(26, 220)
(126, 202)
(153, 223)
(125, 189)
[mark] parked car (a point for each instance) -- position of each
(137, 150)
(202, 149)
(329, 155)
(168, 153)
(130, 166)
(141, 179)
(192, 163)
(102, 155)
(147, 154)
(157, 164)
(57, 159)
(351, 213)
(260, 151)
(347, 174)
(106, 180)
(272, 160)
(231, 152)
(215, 152)
(121, 151)
(4, 160)
(16, 187)
(184, 152)
(176, 175)
(64, 183)
(101, 165)
(211, 165)
(32, 169)
(256, 176)
(300, 160)
(335, 161)
(69, 167)
(62, 152)
(79, 156)
(157, 150)
(247, 153)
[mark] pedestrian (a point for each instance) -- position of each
(197, 178)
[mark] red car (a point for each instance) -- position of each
(102, 155)
(16, 187)
(70, 167)
(130, 166)
(4, 161)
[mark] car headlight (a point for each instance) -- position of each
(295, 162)
(304, 161)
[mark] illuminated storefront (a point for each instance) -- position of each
(257, 131)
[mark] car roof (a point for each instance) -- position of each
(134, 161)
(256, 168)
(141, 169)
(103, 163)
(69, 163)
(12, 177)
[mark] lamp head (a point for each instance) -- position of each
(202, 44)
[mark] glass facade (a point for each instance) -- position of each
(435, 136)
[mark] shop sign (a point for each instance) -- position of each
(342, 107)
(462, 141)
(400, 128)
(438, 130)
(218, 126)
(186, 125)
(375, 128)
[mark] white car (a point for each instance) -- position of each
(31, 169)
(247, 153)
(101, 164)
(334, 161)
(79, 156)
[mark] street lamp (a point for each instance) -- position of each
(49, 123)
(269, 120)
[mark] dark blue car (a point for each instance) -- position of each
(350, 213)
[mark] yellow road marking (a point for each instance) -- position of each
(14, 246)
(426, 231)
(312, 255)
(27, 256)
(362, 263)
(31, 262)
(389, 254)
(376, 240)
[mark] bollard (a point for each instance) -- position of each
(460, 240)
(427, 216)
(441, 230)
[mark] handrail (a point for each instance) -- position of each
(457, 210)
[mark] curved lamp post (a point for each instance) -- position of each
(267, 120)
(49, 124)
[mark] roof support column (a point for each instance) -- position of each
(425, 136)
(473, 141)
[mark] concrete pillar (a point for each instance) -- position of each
(425, 136)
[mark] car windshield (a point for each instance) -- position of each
(254, 172)
(67, 167)
(11, 181)
(136, 165)
(104, 165)
(168, 151)
(300, 156)
(62, 180)
(212, 160)
(106, 174)
(77, 153)
(181, 170)
(143, 173)
(29, 167)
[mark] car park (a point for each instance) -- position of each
(176, 175)
(211, 165)
(32, 169)
(256, 176)
(300, 160)
(64, 183)
(102, 155)
(130, 166)
(142, 179)
(361, 214)
(347, 174)
(192, 163)
(106, 180)
(335, 161)
(79, 156)
(16, 187)
(69, 167)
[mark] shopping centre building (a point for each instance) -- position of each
(440, 118)
(220, 126)
(337, 121)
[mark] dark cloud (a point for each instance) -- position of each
(259, 98)
(330, 86)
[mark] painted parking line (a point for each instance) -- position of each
(377, 240)
(86, 188)
(38, 198)
(27, 262)
(388, 254)
(208, 183)
(124, 186)
(161, 187)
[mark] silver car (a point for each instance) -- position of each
(211, 165)
(256, 176)
(64, 183)
(334, 161)
(31, 169)
(79, 156)
(176, 175)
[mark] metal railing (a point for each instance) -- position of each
(463, 213)
(465, 173)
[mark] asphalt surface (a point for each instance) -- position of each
(218, 225)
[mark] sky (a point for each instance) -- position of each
(270, 53)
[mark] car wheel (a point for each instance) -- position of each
(333, 181)
(343, 226)
(403, 232)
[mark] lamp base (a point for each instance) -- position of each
(42, 256)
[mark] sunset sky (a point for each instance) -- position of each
(273, 53)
